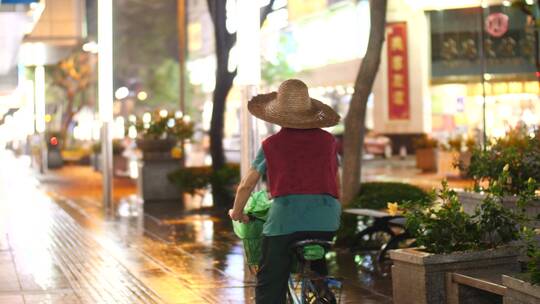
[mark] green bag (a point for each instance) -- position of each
(257, 206)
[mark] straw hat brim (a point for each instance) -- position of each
(319, 115)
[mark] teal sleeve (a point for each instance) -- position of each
(259, 163)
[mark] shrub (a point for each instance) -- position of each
(194, 180)
(442, 226)
(518, 149)
(425, 142)
(163, 127)
(375, 195)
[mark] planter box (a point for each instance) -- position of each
(421, 278)
(464, 162)
(155, 148)
(445, 163)
(426, 159)
(520, 292)
(471, 200)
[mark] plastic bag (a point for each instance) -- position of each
(257, 206)
(251, 233)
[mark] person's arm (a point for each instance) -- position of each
(243, 192)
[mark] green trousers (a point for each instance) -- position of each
(276, 264)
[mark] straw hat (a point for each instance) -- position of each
(291, 107)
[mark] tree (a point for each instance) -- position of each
(164, 83)
(74, 75)
(145, 47)
(224, 42)
(355, 126)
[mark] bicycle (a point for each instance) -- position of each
(306, 286)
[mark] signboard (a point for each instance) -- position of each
(456, 40)
(398, 71)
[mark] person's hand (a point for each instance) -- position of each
(238, 216)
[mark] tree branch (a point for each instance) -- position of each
(266, 10)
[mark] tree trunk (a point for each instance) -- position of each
(66, 119)
(356, 116)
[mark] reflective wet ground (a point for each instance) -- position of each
(57, 246)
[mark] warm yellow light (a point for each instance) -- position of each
(142, 95)
(163, 113)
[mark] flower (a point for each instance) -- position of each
(506, 168)
(393, 208)
(437, 207)
(176, 152)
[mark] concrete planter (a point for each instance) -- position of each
(421, 278)
(426, 159)
(520, 292)
(155, 147)
(471, 200)
(464, 162)
(445, 163)
(153, 184)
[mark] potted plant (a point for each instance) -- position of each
(157, 137)
(448, 155)
(426, 153)
(161, 133)
(519, 153)
(451, 240)
(464, 160)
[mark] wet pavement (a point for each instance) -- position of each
(58, 246)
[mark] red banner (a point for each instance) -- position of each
(398, 71)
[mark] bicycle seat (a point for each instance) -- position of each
(311, 249)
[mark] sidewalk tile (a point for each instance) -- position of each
(11, 299)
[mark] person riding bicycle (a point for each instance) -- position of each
(301, 166)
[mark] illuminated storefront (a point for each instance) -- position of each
(496, 42)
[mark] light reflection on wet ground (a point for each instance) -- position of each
(168, 248)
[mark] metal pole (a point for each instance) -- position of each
(181, 16)
(181, 9)
(105, 94)
(483, 76)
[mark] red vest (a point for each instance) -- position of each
(301, 161)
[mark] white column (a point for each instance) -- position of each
(39, 98)
(105, 96)
(249, 75)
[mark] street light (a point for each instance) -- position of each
(105, 94)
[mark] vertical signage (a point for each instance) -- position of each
(398, 71)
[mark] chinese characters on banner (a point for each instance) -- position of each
(398, 71)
